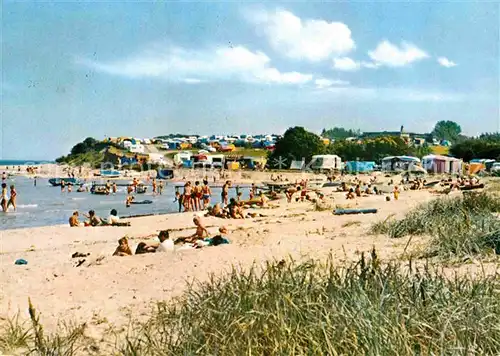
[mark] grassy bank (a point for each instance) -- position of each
(310, 308)
(459, 226)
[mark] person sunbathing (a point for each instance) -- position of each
(358, 190)
(200, 233)
(235, 211)
(219, 239)
(350, 194)
(73, 220)
(143, 248)
(123, 248)
(93, 219)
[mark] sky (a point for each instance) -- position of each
(71, 70)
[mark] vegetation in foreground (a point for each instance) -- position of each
(459, 226)
(309, 308)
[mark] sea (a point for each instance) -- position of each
(10, 162)
(44, 205)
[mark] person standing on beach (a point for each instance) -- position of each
(114, 188)
(197, 195)
(161, 187)
(63, 185)
(206, 193)
(187, 197)
(225, 192)
(4, 177)
(3, 198)
(153, 183)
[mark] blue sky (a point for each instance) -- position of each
(73, 70)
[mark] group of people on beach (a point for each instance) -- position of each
(200, 238)
(5, 200)
(197, 197)
(93, 220)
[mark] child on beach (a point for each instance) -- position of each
(396, 193)
(73, 220)
(179, 198)
(201, 232)
(93, 219)
(123, 248)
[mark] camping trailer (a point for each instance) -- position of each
(325, 162)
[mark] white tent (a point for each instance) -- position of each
(325, 162)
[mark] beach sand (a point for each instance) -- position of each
(107, 291)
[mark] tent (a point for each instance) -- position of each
(297, 165)
(398, 163)
(360, 166)
(326, 162)
(476, 167)
(442, 164)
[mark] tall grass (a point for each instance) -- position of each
(458, 226)
(30, 339)
(316, 309)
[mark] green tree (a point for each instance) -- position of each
(485, 146)
(296, 144)
(447, 130)
(337, 133)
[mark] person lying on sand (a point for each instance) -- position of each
(201, 232)
(73, 220)
(114, 219)
(93, 219)
(216, 211)
(219, 239)
(123, 248)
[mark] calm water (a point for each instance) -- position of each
(21, 162)
(45, 205)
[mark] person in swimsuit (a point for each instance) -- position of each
(201, 232)
(3, 197)
(73, 220)
(153, 183)
(63, 186)
(187, 196)
(197, 195)
(13, 197)
(225, 192)
(4, 177)
(179, 199)
(123, 248)
(206, 193)
(160, 189)
(114, 188)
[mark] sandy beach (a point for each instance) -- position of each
(106, 291)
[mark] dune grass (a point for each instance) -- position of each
(313, 308)
(317, 309)
(458, 226)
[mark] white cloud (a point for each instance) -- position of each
(323, 83)
(309, 39)
(391, 55)
(391, 94)
(192, 81)
(445, 62)
(195, 66)
(346, 64)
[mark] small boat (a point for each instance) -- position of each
(165, 174)
(108, 173)
(56, 182)
(142, 202)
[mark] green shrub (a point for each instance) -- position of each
(458, 226)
